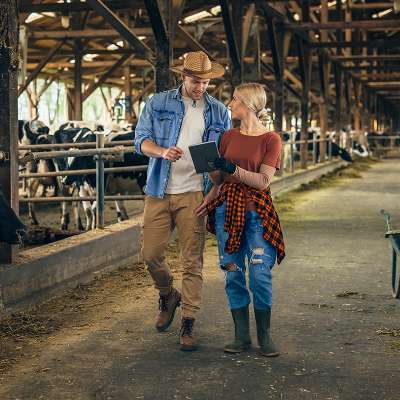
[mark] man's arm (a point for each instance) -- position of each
(144, 138)
(150, 149)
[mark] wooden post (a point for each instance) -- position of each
(276, 39)
(324, 80)
(127, 84)
(232, 42)
(305, 64)
(78, 81)
(69, 93)
(9, 112)
(162, 73)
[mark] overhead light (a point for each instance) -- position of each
(196, 17)
(382, 13)
(141, 37)
(215, 10)
(264, 55)
(115, 46)
(72, 61)
(65, 21)
(133, 75)
(296, 17)
(89, 57)
(35, 16)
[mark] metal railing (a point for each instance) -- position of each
(110, 150)
(101, 151)
(314, 151)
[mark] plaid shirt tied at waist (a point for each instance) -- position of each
(234, 195)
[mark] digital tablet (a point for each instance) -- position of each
(202, 155)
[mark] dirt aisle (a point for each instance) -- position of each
(334, 320)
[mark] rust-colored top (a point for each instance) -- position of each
(249, 152)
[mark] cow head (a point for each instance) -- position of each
(28, 131)
(12, 230)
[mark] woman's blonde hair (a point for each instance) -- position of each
(254, 96)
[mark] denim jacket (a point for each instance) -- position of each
(161, 122)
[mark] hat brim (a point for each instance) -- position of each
(217, 70)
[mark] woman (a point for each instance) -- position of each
(243, 216)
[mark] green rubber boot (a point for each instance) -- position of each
(242, 340)
(263, 321)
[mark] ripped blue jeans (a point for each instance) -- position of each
(260, 256)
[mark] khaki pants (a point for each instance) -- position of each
(161, 216)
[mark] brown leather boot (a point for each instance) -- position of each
(168, 305)
(186, 338)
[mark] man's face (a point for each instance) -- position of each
(195, 87)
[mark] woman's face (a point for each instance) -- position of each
(238, 109)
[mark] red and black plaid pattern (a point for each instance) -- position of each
(234, 195)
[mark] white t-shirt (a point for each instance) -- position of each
(183, 177)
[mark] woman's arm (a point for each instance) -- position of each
(258, 180)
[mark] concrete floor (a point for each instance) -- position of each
(332, 304)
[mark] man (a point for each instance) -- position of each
(170, 122)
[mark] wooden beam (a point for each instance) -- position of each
(192, 42)
(393, 24)
(26, 6)
(101, 8)
(358, 57)
(9, 114)
(247, 24)
(150, 86)
(162, 64)
(276, 41)
(105, 76)
(33, 75)
(232, 44)
(355, 44)
(394, 67)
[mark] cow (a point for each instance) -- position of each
(12, 230)
(125, 182)
(31, 133)
(360, 150)
(115, 183)
(70, 186)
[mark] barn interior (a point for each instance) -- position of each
(332, 66)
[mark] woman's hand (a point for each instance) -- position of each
(224, 165)
(201, 210)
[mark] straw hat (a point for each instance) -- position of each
(198, 64)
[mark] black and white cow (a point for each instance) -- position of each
(115, 183)
(31, 133)
(123, 183)
(71, 185)
(12, 230)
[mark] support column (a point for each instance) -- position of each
(127, 84)
(276, 39)
(232, 42)
(305, 63)
(163, 51)
(78, 81)
(69, 93)
(9, 113)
